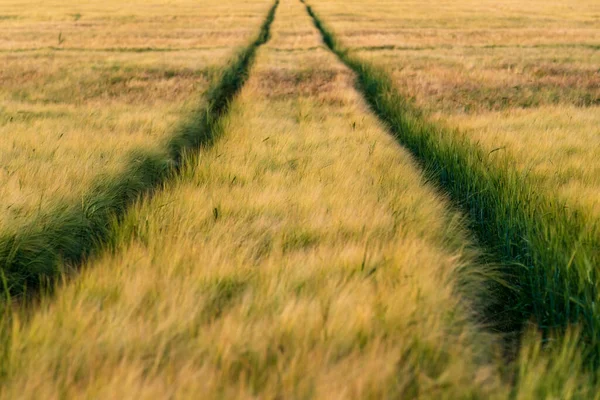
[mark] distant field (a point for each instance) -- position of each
(519, 77)
(81, 86)
(296, 199)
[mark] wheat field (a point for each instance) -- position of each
(82, 87)
(299, 199)
(511, 75)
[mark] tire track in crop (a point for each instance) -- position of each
(34, 256)
(549, 253)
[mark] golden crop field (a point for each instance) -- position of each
(513, 75)
(293, 199)
(84, 86)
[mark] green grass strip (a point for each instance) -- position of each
(34, 256)
(550, 254)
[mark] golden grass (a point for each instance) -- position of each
(138, 23)
(519, 76)
(71, 112)
(557, 365)
(557, 145)
(303, 256)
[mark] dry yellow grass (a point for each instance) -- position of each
(556, 366)
(519, 76)
(558, 146)
(120, 78)
(303, 256)
(96, 25)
